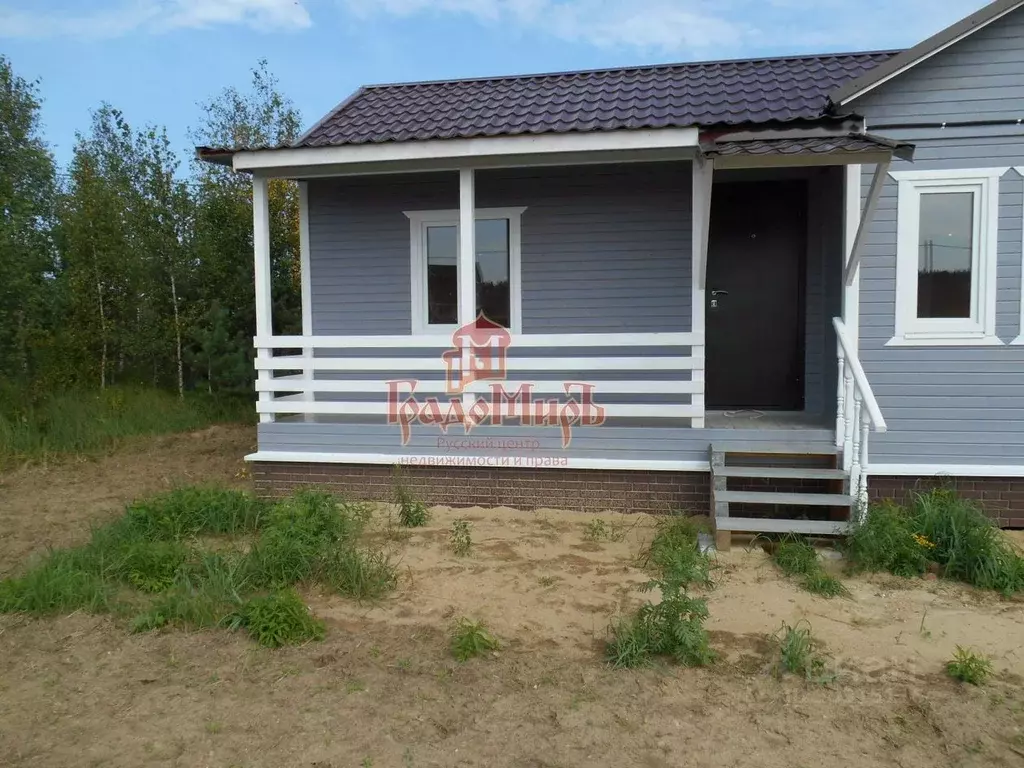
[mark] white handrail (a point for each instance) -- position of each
(852, 364)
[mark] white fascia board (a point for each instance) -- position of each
(945, 470)
(464, 149)
(310, 457)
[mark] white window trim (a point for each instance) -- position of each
(979, 330)
(418, 223)
(1019, 341)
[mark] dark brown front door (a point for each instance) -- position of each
(755, 305)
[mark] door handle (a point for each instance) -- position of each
(719, 293)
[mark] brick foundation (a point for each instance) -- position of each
(597, 490)
(584, 490)
(1001, 497)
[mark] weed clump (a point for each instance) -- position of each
(938, 528)
(412, 512)
(460, 538)
(471, 639)
(280, 618)
(150, 567)
(598, 530)
(674, 552)
(674, 626)
(969, 667)
(798, 654)
(797, 558)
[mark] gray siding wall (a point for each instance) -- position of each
(604, 248)
(957, 404)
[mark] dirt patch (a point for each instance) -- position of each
(382, 690)
(54, 505)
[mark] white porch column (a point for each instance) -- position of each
(264, 302)
(467, 261)
(700, 217)
(467, 247)
(306, 287)
(851, 224)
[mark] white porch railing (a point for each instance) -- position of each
(289, 383)
(857, 412)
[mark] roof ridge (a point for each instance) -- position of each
(639, 67)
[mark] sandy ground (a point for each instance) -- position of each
(381, 690)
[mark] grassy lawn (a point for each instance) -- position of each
(489, 638)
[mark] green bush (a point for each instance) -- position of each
(277, 619)
(937, 527)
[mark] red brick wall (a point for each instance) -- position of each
(1002, 497)
(585, 490)
(592, 490)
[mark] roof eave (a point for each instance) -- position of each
(216, 155)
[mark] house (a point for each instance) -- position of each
(764, 287)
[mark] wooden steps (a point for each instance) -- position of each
(775, 465)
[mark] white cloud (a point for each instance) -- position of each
(700, 26)
(646, 24)
(154, 16)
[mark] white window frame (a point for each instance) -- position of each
(1019, 341)
(980, 328)
(418, 223)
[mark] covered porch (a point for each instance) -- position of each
(738, 330)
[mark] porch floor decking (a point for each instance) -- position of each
(753, 419)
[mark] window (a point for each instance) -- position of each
(947, 229)
(435, 257)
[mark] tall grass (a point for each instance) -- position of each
(937, 527)
(797, 558)
(155, 566)
(86, 421)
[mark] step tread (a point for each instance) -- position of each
(768, 525)
(805, 473)
(798, 499)
(794, 448)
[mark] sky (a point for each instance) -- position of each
(155, 60)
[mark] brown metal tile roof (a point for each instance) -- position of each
(822, 145)
(673, 95)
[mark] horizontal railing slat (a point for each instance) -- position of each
(297, 382)
(415, 364)
(358, 408)
(671, 339)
